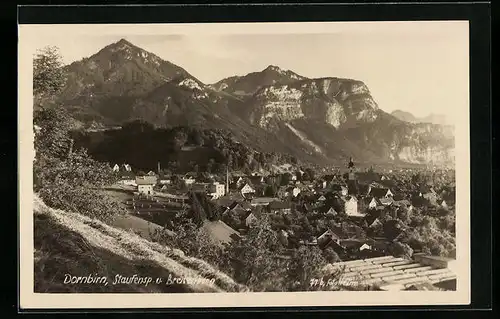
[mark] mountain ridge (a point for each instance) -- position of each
(268, 109)
(433, 118)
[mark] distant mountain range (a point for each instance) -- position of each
(322, 120)
(431, 118)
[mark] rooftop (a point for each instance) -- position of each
(145, 180)
(391, 273)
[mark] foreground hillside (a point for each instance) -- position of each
(70, 243)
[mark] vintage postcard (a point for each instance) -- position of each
(244, 165)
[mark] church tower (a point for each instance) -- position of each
(350, 166)
(352, 184)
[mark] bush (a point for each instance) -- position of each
(86, 201)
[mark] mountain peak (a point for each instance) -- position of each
(273, 68)
(122, 41)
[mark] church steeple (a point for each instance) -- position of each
(350, 165)
(352, 184)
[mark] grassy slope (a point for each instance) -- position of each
(69, 243)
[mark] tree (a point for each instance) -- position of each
(309, 174)
(180, 139)
(211, 165)
(306, 263)
(298, 175)
(193, 241)
(198, 138)
(53, 139)
(270, 190)
(48, 74)
(330, 255)
(285, 179)
(198, 211)
(306, 226)
(398, 249)
(255, 258)
(65, 178)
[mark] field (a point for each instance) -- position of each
(145, 212)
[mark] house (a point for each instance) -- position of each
(386, 201)
(282, 192)
(200, 187)
(283, 237)
(217, 190)
(127, 168)
(352, 244)
(165, 181)
(189, 179)
(293, 191)
(374, 203)
(311, 241)
(374, 223)
(330, 211)
(262, 201)
(431, 197)
(237, 181)
(402, 203)
(116, 168)
(352, 230)
(239, 207)
(321, 198)
(246, 189)
(129, 181)
(341, 189)
(351, 207)
(363, 188)
(379, 192)
(329, 235)
(365, 246)
(278, 207)
(220, 232)
(250, 219)
(444, 204)
(256, 179)
(145, 184)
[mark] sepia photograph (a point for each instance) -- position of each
(231, 164)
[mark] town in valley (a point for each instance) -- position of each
(352, 215)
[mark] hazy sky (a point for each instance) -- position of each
(417, 67)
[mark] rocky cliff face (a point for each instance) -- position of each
(338, 102)
(427, 144)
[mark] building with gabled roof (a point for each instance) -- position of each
(145, 184)
(279, 207)
(379, 192)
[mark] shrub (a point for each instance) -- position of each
(84, 200)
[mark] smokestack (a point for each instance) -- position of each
(227, 179)
(158, 168)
